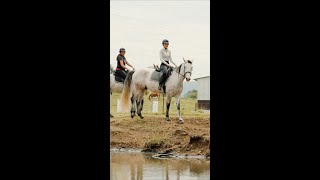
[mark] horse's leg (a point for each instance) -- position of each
(168, 107)
(133, 107)
(178, 108)
(140, 105)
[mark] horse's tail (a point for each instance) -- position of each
(126, 93)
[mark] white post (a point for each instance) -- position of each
(118, 105)
(155, 106)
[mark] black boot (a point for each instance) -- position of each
(161, 80)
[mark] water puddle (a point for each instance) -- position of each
(141, 166)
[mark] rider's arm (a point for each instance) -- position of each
(161, 58)
(129, 64)
(122, 65)
(172, 61)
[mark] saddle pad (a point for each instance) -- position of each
(155, 76)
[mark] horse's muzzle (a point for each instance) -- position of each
(188, 79)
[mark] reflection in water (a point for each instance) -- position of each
(139, 166)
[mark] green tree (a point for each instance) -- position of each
(191, 94)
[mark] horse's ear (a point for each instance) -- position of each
(184, 60)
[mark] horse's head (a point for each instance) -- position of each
(188, 69)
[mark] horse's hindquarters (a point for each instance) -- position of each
(115, 86)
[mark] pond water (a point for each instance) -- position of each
(141, 166)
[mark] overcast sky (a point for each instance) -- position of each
(140, 27)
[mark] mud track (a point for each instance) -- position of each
(154, 134)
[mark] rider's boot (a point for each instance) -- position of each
(161, 80)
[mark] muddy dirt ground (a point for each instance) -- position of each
(154, 134)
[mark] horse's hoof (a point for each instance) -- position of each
(111, 116)
(141, 117)
(168, 119)
(181, 121)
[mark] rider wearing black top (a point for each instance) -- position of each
(121, 69)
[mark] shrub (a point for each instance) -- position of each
(191, 94)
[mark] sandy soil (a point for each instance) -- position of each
(154, 134)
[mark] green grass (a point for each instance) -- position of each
(187, 106)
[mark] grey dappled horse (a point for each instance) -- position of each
(114, 85)
(137, 82)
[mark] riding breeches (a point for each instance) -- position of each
(121, 73)
(163, 73)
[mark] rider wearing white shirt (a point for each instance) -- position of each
(165, 57)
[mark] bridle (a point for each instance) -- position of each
(184, 67)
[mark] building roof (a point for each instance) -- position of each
(200, 77)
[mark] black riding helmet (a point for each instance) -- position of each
(165, 41)
(122, 49)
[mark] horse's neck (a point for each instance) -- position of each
(176, 77)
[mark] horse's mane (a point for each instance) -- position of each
(179, 68)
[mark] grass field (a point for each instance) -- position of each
(187, 107)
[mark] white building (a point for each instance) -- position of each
(203, 95)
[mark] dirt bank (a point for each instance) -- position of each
(154, 134)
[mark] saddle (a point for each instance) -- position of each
(169, 72)
(118, 78)
(156, 67)
(155, 76)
